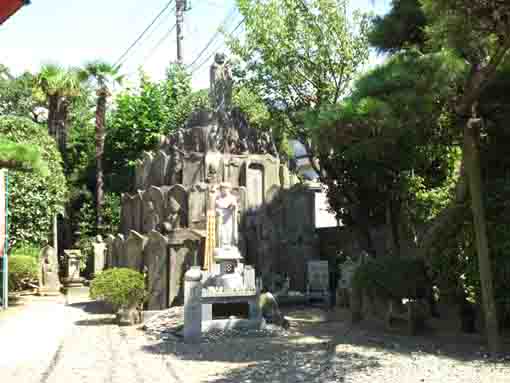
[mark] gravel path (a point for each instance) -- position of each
(51, 342)
(54, 342)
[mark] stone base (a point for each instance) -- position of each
(147, 315)
(128, 317)
(74, 282)
(46, 292)
(232, 324)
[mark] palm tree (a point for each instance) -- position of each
(58, 86)
(102, 75)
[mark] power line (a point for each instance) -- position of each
(158, 44)
(213, 52)
(143, 33)
(214, 37)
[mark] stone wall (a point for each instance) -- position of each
(164, 259)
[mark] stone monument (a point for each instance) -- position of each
(73, 259)
(49, 283)
(207, 188)
(99, 254)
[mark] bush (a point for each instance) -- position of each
(27, 250)
(119, 287)
(392, 277)
(34, 198)
(23, 269)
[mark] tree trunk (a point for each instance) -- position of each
(53, 106)
(100, 137)
(472, 155)
(392, 219)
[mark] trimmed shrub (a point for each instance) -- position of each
(23, 269)
(34, 198)
(27, 250)
(120, 287)
(392, 278)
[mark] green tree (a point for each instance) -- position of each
(478, 32)
(299, 55)
(401, 28)
(389, 134)
(16, 96)
(57, 86)
(18, 156)
(141, 116)
(34, 197)
(103, 76)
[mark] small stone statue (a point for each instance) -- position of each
(177, 140)
(226, 211)
(212, 174)
(48, 277)
(243, 146)
(99, 254)
(173, 220)
(150, 217)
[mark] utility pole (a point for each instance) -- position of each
(180, 7)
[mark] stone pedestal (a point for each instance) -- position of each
(73, 268)
(193, 305)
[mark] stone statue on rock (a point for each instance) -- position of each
(221, 84)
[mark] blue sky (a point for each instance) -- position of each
(71, 32)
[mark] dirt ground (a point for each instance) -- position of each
(76, 340)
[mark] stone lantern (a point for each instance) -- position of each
(228, 259)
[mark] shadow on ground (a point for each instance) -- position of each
(96, 322)
(293, 359)
(93, 307)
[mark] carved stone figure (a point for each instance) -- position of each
(48, 279)
(99, 254)
(177, 140)
(173, 220)
(150, 217)
(213, 137)
(221, 84)
(226, 211)
(243, 146)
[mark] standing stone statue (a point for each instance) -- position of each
(226, 221)
(221, 84)
(99, 254)
(150, 218)
(173, 220)
(49, 282)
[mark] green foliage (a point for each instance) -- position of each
(392, 277)
(475, 29)
(100, 73)
(402, 27)
(252, 106)
(86, 222)
(33, 198)
(26, 250)
(23, 269)
(119, 287)
(141, 116)
(56, 81)
(395, 128)
(16, 98)
(299, 54)
(22, 157)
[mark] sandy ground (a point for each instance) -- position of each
(53, 340)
